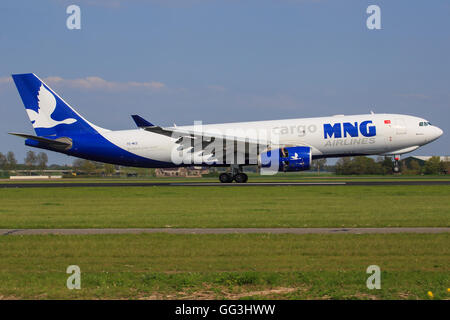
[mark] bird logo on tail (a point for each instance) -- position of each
(46, 107)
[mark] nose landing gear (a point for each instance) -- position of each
(396, 167)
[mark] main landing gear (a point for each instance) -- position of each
(236, 174)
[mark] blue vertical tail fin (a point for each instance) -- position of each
(49, 114)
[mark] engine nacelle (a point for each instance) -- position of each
(287, 159)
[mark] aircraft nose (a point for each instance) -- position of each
(437, 132)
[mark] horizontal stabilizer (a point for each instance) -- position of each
(61, 142)
(141, 122)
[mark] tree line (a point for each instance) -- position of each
(8, 161)
(384, 165)
(32, 160)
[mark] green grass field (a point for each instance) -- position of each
(161, 266)
(239, 266)
(219, 207)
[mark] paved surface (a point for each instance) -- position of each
(222, 231)
(210, 184)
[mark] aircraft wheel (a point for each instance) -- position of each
(396, 167)
(225, 178)
(241, 178)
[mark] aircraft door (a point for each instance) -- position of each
(389, 134)
(400, 126)
(394, 132)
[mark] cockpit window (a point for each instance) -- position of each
(421, 124)
(424, 124)
(429, 123)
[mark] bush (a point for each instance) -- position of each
(359, 165)
(433, 166)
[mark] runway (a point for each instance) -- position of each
(218, 184)
(12, 232)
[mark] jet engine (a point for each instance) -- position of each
(286, 159)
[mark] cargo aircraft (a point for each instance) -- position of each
(276, 145)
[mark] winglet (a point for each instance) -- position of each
(141, 122)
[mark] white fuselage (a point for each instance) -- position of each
(327, 136)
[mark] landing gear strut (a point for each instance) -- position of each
(396, 167)
(236, 174)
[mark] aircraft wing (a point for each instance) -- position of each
(187, 138)
(178, 132)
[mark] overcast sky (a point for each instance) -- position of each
(176, 61)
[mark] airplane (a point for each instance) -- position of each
(274, 146)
